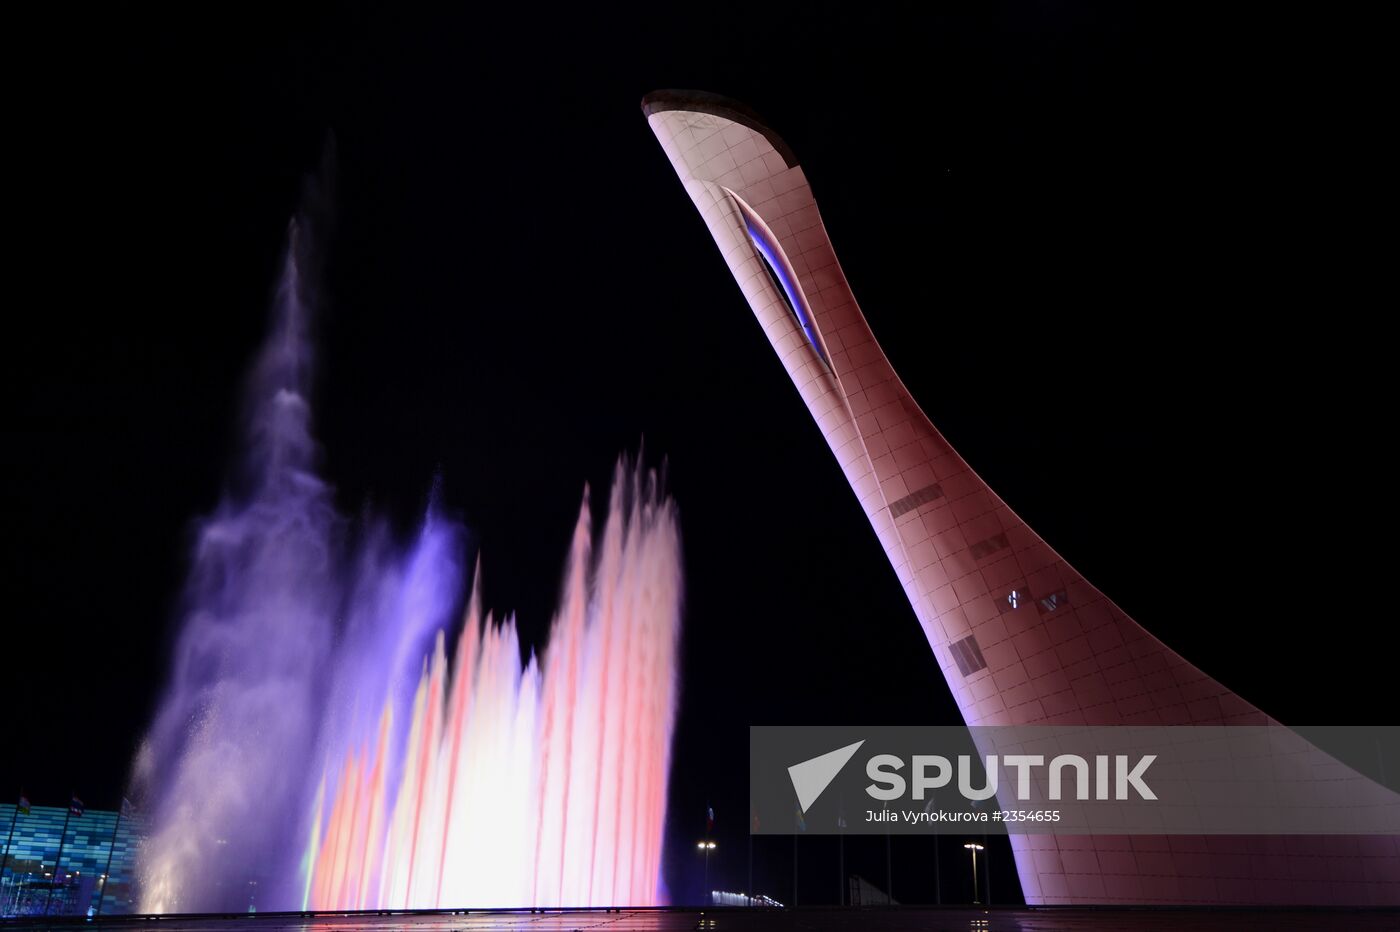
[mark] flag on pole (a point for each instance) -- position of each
(23, 804)
(75, 806)
(709, 819)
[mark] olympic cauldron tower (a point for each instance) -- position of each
(1020, 636)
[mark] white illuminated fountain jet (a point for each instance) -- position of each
(1020, 636)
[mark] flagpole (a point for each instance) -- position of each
(750, 889)
(6, 859)
(801, 827)
(794, 869)
(106, 877)
(937, 873)
(841, 853)
(987, 867)
(62, 839)
(841, 873)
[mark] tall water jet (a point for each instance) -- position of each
(217, 769)
(314, 746)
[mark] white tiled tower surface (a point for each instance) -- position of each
(1057, 651)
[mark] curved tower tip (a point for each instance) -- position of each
(660, 101)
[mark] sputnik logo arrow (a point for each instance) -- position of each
(811, 777)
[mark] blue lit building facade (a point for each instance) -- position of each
(28, 880)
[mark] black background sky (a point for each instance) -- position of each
(1129, 260)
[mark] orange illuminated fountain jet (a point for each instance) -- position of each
(1020, 636)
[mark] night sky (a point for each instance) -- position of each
(1128, 261)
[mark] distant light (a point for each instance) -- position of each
(726, 898)
(705, 845)
(1013, 599)
(973, 846)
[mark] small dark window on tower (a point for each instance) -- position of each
(967, 655)
(914, 499)
(989, 546)
(1053, 601)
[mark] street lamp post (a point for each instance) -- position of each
(974, 847)
(707, 847)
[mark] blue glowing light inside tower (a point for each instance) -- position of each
(779, 269)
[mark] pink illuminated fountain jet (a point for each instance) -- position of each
(1020, 636)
